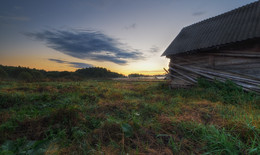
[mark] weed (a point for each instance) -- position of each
(105, 116)
(23, 146)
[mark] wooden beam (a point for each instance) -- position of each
(246, 85)
(237, 55)
(186, 76)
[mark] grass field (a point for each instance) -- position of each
(118, 117)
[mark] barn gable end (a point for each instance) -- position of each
(223, 47)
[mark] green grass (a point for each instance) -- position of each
(118, 117)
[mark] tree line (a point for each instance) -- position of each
(28, 75)
(137, 75)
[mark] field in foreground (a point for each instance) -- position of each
(117, 117)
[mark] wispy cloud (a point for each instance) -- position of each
(132, 26)
(198, 13)
(87, 44)
(14, 18)
(80, 65)
(154, 49)
(58, 61)
(72, 64)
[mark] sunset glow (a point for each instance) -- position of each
(123, 36)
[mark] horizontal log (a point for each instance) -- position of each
(237, 55)
(239, 52)
(245, 83)
(180, 78)
(186, 76)
(227, 75)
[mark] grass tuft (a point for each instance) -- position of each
(111, 117)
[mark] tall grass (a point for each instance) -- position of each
(94, 117)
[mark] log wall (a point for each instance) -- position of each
(240, 66)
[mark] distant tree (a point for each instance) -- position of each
(65, 74)
(37, 75)
(3, 73)
(97, 72)
(25, 76)
(137, 75)
(53, 74)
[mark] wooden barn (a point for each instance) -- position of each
(224, 47)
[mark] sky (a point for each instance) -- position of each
(125, 36)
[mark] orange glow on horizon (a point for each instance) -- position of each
(44, 64)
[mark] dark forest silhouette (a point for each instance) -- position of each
(30, 75)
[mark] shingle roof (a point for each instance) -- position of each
(236, 25)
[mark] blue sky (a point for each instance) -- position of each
(126, 36)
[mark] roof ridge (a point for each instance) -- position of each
(236, 25)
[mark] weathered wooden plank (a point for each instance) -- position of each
(241, 66)
(237, 55)
(246, 85)
(245, 51)
(229, 76)
(180, 78)
(185, 76)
